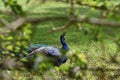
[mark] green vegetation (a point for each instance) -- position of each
(94, 49)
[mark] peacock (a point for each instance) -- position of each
(56, 54)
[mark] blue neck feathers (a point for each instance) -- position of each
(64, 44)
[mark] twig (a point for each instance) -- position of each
(63, 27)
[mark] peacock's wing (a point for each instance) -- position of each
(50, 54)
(34, 47)
(52, 51)
(46, 50)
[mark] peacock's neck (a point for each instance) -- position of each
(64, 44)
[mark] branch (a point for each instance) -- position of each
(6, 12)
(98, 21)
(63, 27)
(41, 19)
(13, 26)
(21, 21)
(84, 19)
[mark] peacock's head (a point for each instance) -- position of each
(62, 37)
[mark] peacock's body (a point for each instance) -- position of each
(55, 53)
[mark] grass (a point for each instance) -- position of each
(98, 52)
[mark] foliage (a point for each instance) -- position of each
(15, 7)
(14, 44)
